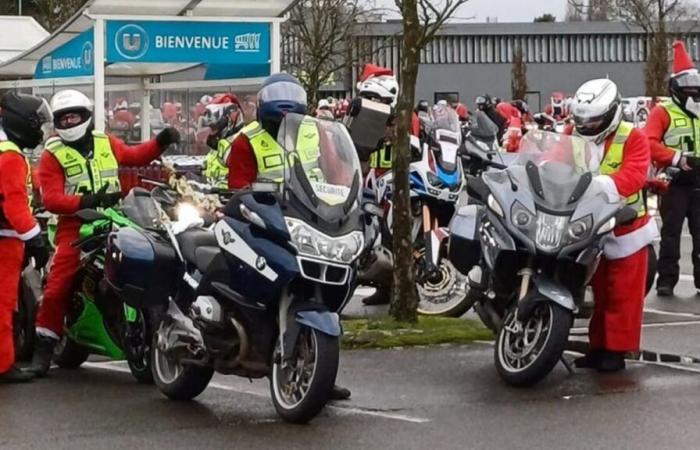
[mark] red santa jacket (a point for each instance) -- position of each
(52, 177)
(656, 127)
(16, 218)
(627, 181)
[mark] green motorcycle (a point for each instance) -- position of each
(98, 322)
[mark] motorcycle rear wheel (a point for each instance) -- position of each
(175, 380)
(23, 323)
(69, 354)
(523, 358)
(301, 388)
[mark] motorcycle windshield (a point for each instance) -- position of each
(322, 168)
(553, 165)
(446, 135)
(141, 209)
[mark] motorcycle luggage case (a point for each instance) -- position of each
(464, 250)
(141, 268)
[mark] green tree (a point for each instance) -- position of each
(545, 18)
(421, 20)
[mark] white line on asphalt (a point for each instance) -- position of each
(670, 313)
(650, 325)
(112, 365)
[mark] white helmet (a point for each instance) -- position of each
(597, 109)
(323, 104)
(206, 99)
(384, 88)
(71, 101)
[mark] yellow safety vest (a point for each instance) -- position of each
(683, 133)
(269, 155)
(381, 159)
(9, 146)
(87, 176)
(612, 162)
(216, 163)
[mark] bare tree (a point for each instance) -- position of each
(660, 20)
(573, 11)
(518, 82)
(421, 20)
(318, 38)
(598, 10)
(51, 14)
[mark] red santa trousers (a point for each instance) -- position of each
(619, 287)
(12, 251)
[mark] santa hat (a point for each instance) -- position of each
(372, 70)
(681, 60)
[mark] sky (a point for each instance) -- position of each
(505, 10)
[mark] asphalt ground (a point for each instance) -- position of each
(444, 397)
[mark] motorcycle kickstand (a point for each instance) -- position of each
(567, 364)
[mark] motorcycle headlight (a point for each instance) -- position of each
(494, 206)
(311, 242)
(520, 216)
(434, 180)
(607, 226)
(549, 231)
(579, 229)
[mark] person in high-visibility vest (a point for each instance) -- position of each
(255, 154)
(22, 119)
(673, 128)
(78, 170)
(619, 284)
(225, 119)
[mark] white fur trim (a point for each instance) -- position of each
(617, 247)
(676, 159)
(23, 236)
(45, 332)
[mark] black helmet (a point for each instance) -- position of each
(521, 105)
(23, 117)
(685, 91)
(422, 105)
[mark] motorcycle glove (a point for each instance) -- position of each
(168, 136)
(36, 249)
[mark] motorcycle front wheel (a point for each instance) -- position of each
(301, 387)
(444, 294)
(175, 380)
(526, 352)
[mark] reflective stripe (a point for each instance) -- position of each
(381, 158)
(612, 162)
(87, 176)
(270, 155)
(683, 133)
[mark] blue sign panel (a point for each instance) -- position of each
(75, 58)
(188, 42)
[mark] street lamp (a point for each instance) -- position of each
(20, 8)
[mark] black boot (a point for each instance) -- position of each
(15, 375)
(340, 393)
(589, 360)
(380, 297)
(43, 353)
(611, 361)
(664, 291)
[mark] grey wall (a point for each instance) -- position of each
(472, 80)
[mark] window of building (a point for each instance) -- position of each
(437, 96)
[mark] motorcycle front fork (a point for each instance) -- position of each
(526, 274)
(432, 240)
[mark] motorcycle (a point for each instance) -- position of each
(436, 180)
(530, 245)
(258, 295)
(96, 323)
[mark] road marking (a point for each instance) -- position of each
(670, 313)
(118, 366)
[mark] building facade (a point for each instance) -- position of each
(476, 59)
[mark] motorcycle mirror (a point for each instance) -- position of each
(90, 215)
(372, 209)
(477, 189)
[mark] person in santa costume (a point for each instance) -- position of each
(673, 129)
(619, 284)
(22, 119)
(78, 170)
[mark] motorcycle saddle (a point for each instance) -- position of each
(198, 247)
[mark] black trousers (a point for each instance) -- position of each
(680, 202)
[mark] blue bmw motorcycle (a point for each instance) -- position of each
(260, 290)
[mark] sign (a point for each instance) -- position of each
(187, 42)
(75, 58)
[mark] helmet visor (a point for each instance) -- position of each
(592, 125)
(283, 91)
(689, 85)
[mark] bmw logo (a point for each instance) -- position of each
(131, 41)
(260, 263)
